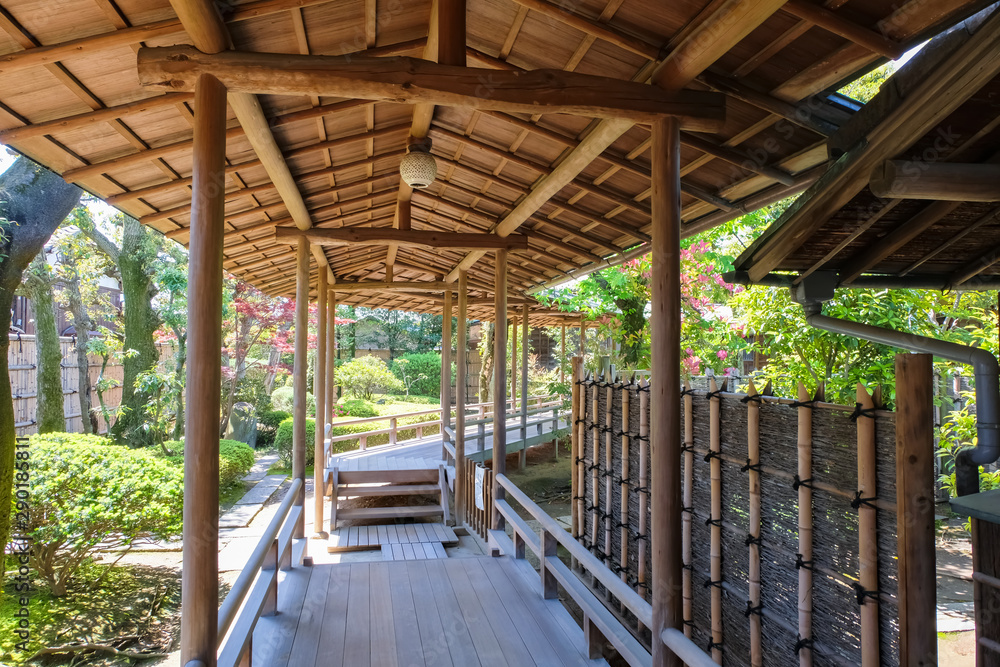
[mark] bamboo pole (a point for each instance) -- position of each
(665, 427)
(299, 370)
(688, 492)
(626, 446)
(319, 394)
(754, 526)
(500, 383)
(608, 481)
(522, 459)
(917, 596)
(460, 370)
(200, 578)
(643, 540)
(805, 527)
(595, 462)
(867, 530)
(715, 553)
(583, 340)
(576, 426)
(446, 371)
(562, 362)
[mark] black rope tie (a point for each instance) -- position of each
(688, 509)
(802, 644)
(710, 583)
(581, 420)
(800, 564)
(751, 466)
(712, 454)
(687, 448)
(580, 460)
(642, 438)
(802, 404)
(591, 508)
(755, 398)
(860, 411)
(797, 482)
(713, 394)
(641, 489)
(687, 392)
(713, 522)
(639, 536)
(714, 645)
(752, 540)
(595, 466)
(688, 566)
(646, 388)
(859, 501)
(688, 622)
(864, 594)
(751, 610)
(622, 480)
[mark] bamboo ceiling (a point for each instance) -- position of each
(70, 98)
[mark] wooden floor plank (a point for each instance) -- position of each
(383, 631)
(421, 532)
(490, 641)
(562, 631)
(307, 633)
(273, 635)
(533, 622)
(456, 629)
(383, 534)
(439, 550)
(387, 552)
(397, 552)
(405, 625)
(408, 551)
(357, 647)
(333, 638)
(434, 646)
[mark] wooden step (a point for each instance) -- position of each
(388, 512)
(417, 476)
(414, 551)
(372, 537)
(389, 490)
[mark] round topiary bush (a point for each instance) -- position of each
(267, 426)
(235, 459)
(356, 407)
(283, 442)
(86, 491)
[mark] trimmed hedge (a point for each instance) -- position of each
(267, 426)
(235, 459)
(359, 408)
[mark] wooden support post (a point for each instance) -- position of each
(331, 353)
(299, 370)
(446, 372)
(688, 494)
(513, 364)
(804, 481)
(461, 350)
(322, 414)
(665, 426)
(624, 486)
(550, 549)
(915, 509)
(986, 590)
(522, 459)
(576, 446)
(500, 383)
(753, 459)
(868, 529)
(200, 579)
(715, 548)
(562, 362)
(593, 638)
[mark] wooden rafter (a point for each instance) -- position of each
(401, 237)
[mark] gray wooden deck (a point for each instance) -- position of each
(460, 611)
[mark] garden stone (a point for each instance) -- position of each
(243, 423)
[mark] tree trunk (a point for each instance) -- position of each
(49, 412)
(33, 201)
(486, 359)
(83, 324)
(179, 360)
(136, 261)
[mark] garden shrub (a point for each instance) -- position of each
(283, 442)
(85, 493)
(421, 371)
(365, 376)
(267, 426)
(356, 407)
(235, 459)
(282, 400)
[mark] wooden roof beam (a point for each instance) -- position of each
(835, 23)
(413, 286)
(402, 237)
(712, 35)
(902, 179)
(410, 80)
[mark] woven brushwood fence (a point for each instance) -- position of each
(22, 360)
(780, 497)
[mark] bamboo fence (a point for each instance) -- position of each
(788, 524)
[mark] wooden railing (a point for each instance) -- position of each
(599, 623)
(476, 519)
(255, 592)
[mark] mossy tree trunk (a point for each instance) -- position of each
(38, 281)
(136, 261)
(83, 325)
(486, 367)
(33, 201)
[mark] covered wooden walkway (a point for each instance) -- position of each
(434, 613)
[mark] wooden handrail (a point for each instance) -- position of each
(241, 587)
(420, 413)
(618, 588)
(685, 649)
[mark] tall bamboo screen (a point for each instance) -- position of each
(780, 495)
